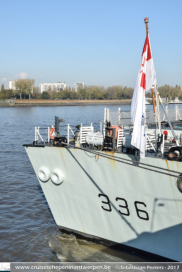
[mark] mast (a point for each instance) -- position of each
(146, 20)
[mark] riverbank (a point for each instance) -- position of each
(56, 103)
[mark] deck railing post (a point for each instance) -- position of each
(173, 133)
(48, 138)
(162, 146)
(81, 133)
(68, 137)
(176, 112)
(119, 116)
(36, 134)
(101, 127)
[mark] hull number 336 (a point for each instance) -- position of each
(123, 206)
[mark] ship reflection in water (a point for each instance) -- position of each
(68, 248)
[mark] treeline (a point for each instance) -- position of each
(91, 92)
(169, 91)
(8, 94)
(24, 88)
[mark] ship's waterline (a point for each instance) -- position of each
(72, 249)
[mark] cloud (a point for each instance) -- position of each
(4, 79)
(23, 75)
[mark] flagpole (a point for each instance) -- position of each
(146, 20)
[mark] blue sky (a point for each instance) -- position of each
(97, 42)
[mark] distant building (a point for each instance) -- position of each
(78, 86)
(12, 84)
(59, 86)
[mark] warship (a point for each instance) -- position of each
(98, 187)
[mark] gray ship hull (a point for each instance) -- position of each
(113, 201)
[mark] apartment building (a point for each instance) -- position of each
(59, 86)
(78, 85)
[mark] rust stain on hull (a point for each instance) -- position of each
(173, 163)
(167, 164)
(177, 164)
(62, 155)
(112, 160)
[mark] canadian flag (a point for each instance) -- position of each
(145, 80)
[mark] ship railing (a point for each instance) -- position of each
(84, 131)
(106, 116)
(114, 117)
(164, 117)
(177, 113)
(68, 133)
(44, 134)
(38, 135)
(174, 114)
(118, 118)
(151, 141)
(120, 138)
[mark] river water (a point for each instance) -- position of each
(28, 232)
